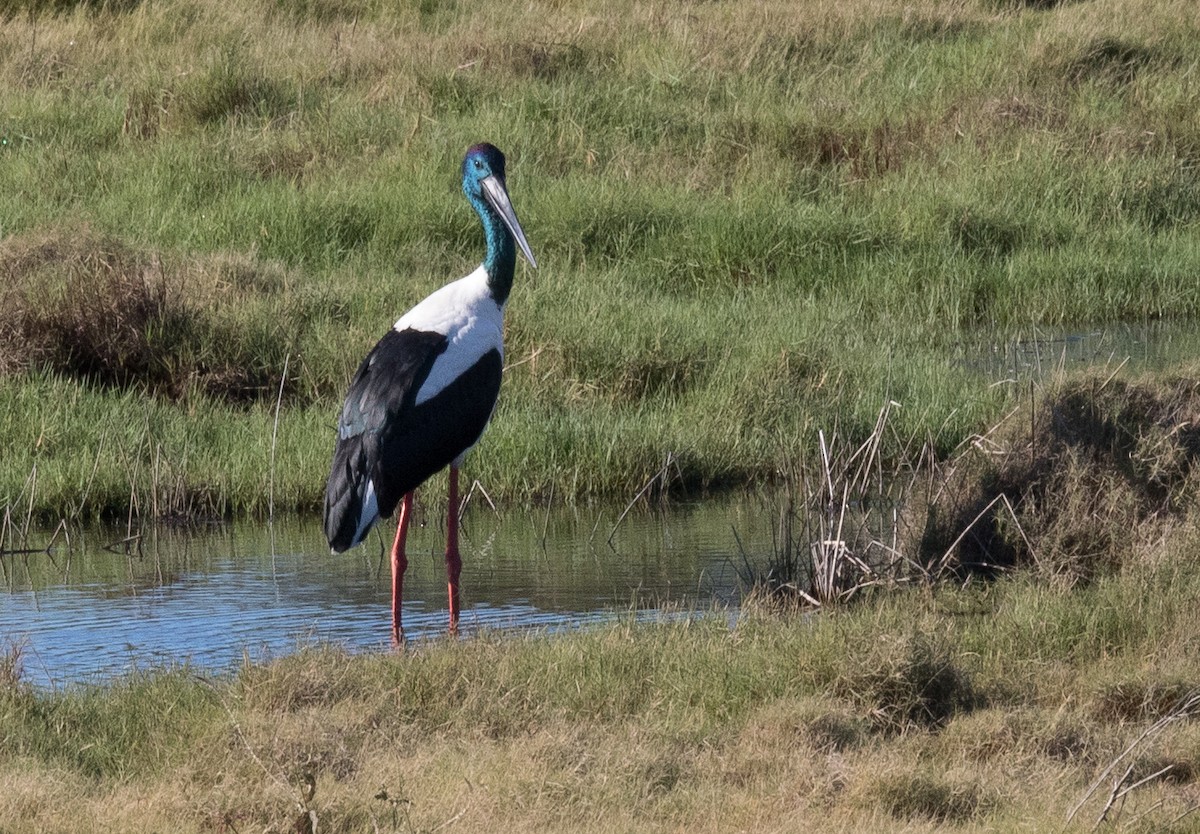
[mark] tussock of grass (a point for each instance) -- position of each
(84, 307)
(1134, 700)
(1074, 482)
(88, 307)
(924, 796)
(908, 682)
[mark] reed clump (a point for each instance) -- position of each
(1085, 477)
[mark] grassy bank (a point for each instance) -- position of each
(995, 708)
(753, 221)
(1049, 685)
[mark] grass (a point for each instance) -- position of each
(1054, 690)
(754, 222)
(957, 710)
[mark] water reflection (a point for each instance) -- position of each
(206, 596)
(1039, 352)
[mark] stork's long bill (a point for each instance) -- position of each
(497, 196)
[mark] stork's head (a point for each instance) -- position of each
(483, 183)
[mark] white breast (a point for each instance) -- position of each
(467, 315)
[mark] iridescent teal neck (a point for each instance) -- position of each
(501, 259)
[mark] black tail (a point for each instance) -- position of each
(346, 495)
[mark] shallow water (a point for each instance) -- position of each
(1042, 352)
(212, 595)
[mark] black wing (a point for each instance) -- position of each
(388, 440)
(384, 387)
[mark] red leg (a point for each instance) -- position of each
(453, 559)
(399, 565)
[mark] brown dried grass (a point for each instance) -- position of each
(84, 304)
(87, 306)
(1070, 483)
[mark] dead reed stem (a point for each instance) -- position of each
(274, 436)
(1186, 708)
(659, 476)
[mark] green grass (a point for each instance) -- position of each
(752, 221)
(962, 710)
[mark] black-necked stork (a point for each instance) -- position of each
(424, 394)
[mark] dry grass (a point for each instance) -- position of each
(1074, 483)
(87, 306)
(906, 682)
(847, 723)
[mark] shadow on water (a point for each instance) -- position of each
(211, 595)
